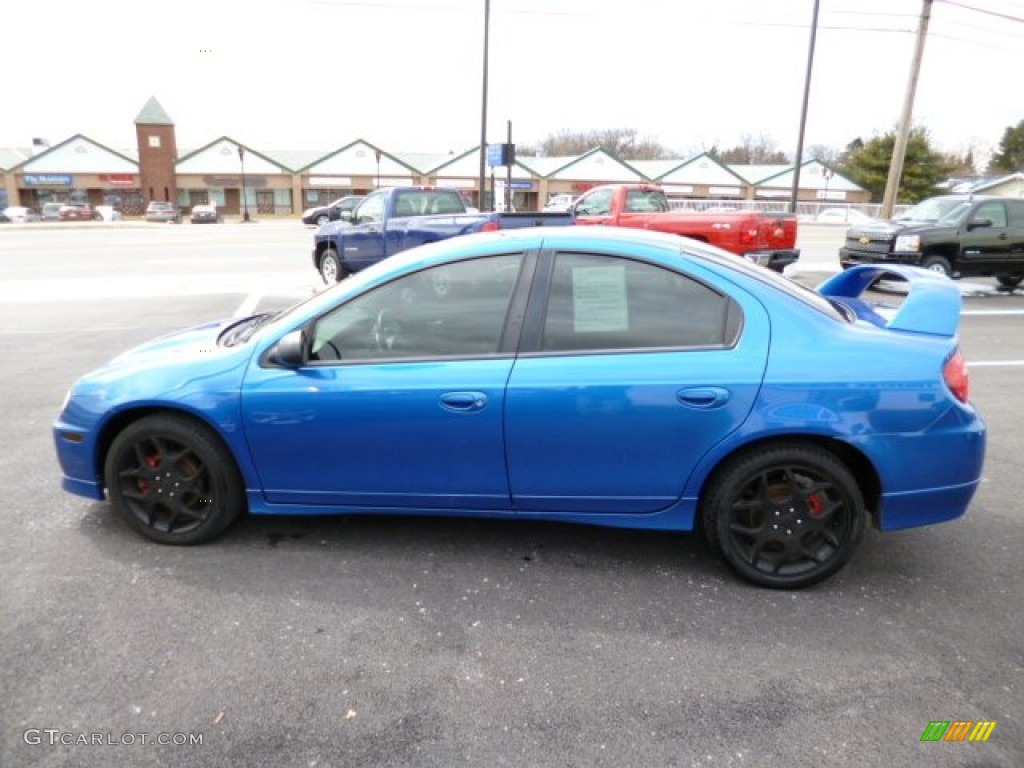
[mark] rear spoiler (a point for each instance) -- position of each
(932, 304)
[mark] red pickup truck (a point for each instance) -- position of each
(767, 239)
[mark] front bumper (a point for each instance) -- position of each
(848, 258)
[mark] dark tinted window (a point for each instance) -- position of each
(1015, 212)
(452, 310)
(608, 303)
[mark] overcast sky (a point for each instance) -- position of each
(406, 74)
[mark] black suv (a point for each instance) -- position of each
(957, 235)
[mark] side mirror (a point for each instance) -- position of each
(979, 224)
(289, 352)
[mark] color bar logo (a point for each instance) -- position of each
(958, 730)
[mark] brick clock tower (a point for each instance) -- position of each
(158, 152)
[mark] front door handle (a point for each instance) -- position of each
(463, 402)
(703, 397)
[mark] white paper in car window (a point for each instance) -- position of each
(599, 299)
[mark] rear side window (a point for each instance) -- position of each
(1015, 212)
(600, 302)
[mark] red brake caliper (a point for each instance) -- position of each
(816, 505)
(153, 462)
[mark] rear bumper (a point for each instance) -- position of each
(776, 260)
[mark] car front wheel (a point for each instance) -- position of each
(322, 219)
(330, 267)
(939, 264)
(785, 516)
(171, 479)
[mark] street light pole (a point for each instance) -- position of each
(481, 181)
(245, 203)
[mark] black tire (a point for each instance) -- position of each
(331, 269)
(1009, 281)
(939, 264)
(322, 219)
(171, 479)
(784, 517)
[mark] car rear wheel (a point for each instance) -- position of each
(330, 267)
(171, 479)
(1009, 281)
(939, 264)
(786, 516)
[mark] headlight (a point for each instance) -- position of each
(910, 243)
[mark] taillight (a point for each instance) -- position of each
(490, 226)
(954, 372)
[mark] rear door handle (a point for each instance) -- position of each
(463, 402)
(703, 397)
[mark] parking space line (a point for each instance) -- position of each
(246, 307)
(979, 312)
(994, 363)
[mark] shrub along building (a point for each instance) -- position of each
(237, 177)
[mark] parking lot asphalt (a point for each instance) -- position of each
(426, 642)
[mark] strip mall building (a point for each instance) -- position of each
(285, 182)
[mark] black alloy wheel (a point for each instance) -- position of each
(786, 516)
(171, 479)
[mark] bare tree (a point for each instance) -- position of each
(622, 142)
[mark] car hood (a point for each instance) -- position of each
(168, 363)
(894, 227)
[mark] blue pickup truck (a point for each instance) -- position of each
(398, 218)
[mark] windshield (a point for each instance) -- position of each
(936, 209)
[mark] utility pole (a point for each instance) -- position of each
(899, 150)
(803, 112)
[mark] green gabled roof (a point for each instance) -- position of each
(351, 144)
(236, 144)
(13, 156)
(153, 114)
(61, 145)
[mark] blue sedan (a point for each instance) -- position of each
(614, 377)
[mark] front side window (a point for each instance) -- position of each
(609, 303)
(451, 310)
(598, 203)
(994, 212)
(371, 210)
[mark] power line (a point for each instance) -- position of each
(984, 10)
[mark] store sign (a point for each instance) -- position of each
(330, 181)
(830, 194)
(459, 183)
(678, 189)
(49, 180)
(731, 191)
(234, 181)
(118, 179)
